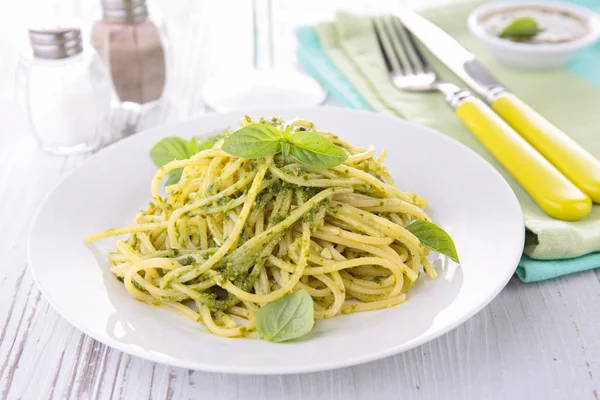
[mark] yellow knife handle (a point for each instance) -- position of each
(570, 158)
(550, 189)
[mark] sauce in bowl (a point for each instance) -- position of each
(556, 26)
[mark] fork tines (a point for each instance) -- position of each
(398, 47)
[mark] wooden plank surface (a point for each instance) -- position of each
(534, 341)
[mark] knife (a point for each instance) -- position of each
(570, 158)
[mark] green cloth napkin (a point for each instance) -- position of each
(566, 99)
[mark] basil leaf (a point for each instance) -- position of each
(206, 145)
(285, 149)
(176, 148)
(171, 148)
(254, 141)
(173, 177)
(315, 151)
(288, 133)
(210, 141)
(434, 237)
(520, 29)
(193, 146)
(288, 318)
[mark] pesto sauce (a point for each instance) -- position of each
(556, 26)
(276, 219)
(189, 260)
(138, 286)
(310, 215)
(223, 305)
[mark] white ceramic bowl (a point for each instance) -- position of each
(534, 56)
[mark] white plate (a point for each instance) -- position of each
(466, 196)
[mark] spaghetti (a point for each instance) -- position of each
(235, 234)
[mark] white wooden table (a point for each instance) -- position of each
(534, 341)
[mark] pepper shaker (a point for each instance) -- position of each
(64, 91)
(134, 48)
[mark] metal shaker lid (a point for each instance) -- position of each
(55, 42)
(124, 10)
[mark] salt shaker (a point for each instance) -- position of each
(134, 48)
(64, 90)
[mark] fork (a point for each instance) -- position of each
(409, 71)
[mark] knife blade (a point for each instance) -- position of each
(458, 59)
(582, 168)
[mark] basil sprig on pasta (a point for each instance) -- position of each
(262, 140)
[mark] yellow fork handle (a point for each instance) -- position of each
(571, 159)
(550, 189)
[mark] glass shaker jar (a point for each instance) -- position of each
(133, 46)
(64, 90)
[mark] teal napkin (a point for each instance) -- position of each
(314, 59)
(530, 270)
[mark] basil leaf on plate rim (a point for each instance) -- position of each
(434, 237)
(287, 318)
